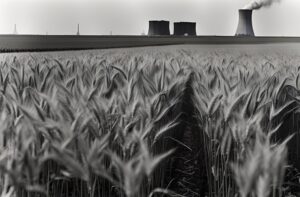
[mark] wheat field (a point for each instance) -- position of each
(186, 120)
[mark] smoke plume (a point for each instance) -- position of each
(257, 4)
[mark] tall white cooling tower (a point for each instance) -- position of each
(245, 23)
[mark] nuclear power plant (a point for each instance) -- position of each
(245, 27)
(185, 29)
(159, 28)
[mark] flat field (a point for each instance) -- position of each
(17, 43)
(181, 120)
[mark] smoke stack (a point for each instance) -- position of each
(185, 28)
(245, 23)
(158, 28)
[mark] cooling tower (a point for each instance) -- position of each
(157, 28)
(245, 23)
(185, 28)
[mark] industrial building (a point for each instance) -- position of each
(245, 27)
(185, 29)
(159, 28)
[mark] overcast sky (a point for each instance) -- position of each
(130, 17)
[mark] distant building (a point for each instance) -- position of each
(245, 27)
(185, 29)
(159, 28)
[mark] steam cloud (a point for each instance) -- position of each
(257, 4)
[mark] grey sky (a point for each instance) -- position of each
(213, 17)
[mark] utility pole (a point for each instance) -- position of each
(15, 29)
(78, 33)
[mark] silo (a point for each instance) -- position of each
(185, 28)
(158, 28)
(245, 23)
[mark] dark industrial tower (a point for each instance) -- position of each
(159, 28)
(245, 23)
(185, 29)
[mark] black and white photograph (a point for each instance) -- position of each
(149, 98)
